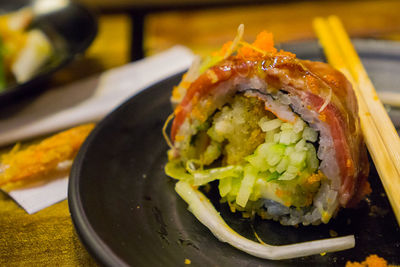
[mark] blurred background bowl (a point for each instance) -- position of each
(71, 28)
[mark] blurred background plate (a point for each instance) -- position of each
(71, 28)
(126, 211)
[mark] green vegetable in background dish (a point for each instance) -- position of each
(23, 50)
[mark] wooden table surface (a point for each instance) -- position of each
(48, 237)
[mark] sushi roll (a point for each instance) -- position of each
(280, 136)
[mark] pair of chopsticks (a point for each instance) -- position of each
(380, 135)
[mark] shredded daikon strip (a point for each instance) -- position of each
(327, 100)
(262, 52)
(193, 72)
(190, 76)
(235, 41)
(205, 212)
(164, 130)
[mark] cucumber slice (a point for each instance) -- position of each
(297, 158)
(295, 137)
(286, 176)
(286, 126)
(225, 186)
(174, 169)
(206, 176)
(258, 161)
(301, 145)
(246, 186)
(298, 126)
(275, 154)
(283, 164)
(268, 125)
(286, 137)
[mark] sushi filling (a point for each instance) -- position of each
(263, 164)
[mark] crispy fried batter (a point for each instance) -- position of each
(40, 159)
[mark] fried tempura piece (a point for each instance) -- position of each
(371, 261)
(38, 160)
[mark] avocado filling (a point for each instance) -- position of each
(254, 155)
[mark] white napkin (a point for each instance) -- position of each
(80, 102)
(36, 198)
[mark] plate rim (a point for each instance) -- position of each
(88, 236)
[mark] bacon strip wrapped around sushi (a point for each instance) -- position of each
(281, 135)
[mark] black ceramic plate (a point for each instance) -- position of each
(71, 30)
(126, 211)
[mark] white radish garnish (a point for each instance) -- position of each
(205, 212)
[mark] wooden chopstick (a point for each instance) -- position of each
(380, 135)
(389, 98)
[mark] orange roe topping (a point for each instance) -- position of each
(246, 52)
(322, 117)
(315, 177)
(312, 84)
(225, 47)
(370, 261)
(332, 80)
(264, 41)
(283, 194)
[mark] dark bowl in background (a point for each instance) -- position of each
(71, 29)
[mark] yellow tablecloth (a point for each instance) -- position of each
(48, 237)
